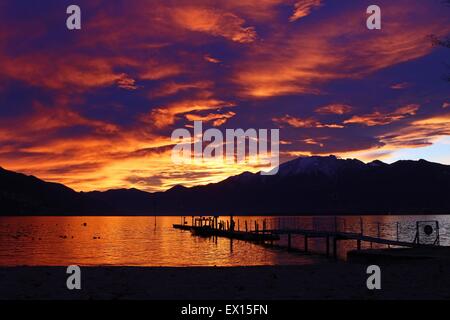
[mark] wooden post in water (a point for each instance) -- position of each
(239, 227)
(328, 245)
(228, 225)
(256, 226)
(379, 231)
(398, 234)
(289, 242)
(335, 247)
(246, 226)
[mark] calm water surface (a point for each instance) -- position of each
(150, 241)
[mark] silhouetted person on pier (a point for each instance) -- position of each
(232, 224)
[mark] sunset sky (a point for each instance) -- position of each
(95, 108)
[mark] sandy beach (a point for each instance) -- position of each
(428, 279)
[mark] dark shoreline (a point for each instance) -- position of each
(414, 280)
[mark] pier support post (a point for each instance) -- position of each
(398, 237)
(358, 245)
(289, 242)
(335, 248)
(328, 245)
(246, 226)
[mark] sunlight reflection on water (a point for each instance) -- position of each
(138, 241)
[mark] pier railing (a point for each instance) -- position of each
(401, 231)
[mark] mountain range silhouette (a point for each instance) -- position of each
(307, 185)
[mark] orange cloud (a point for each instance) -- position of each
(101, 156)
(45, 119)
(213, 21)
(288, 64)
(208, 58)
(336, 108)
(312, 141)
(156, 70)
(258, 10)
(419, 133)
(68, 72)
(303, 123)
(416, 134)
(217, 119)
(303, 8)
(378, 118)
(125, 82)
(166, 116)
(400, 86)
(172, 88)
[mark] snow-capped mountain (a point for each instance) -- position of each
(330, 165)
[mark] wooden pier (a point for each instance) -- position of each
(210, 226)
(206, 231)
(332, 238)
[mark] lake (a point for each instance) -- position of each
(150, 241)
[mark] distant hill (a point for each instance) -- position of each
(27, 195)
(309, 185)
